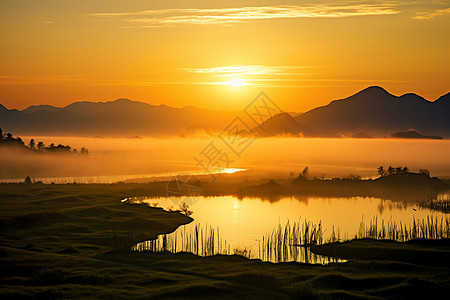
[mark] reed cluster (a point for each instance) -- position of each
(441, 203)
(429, 228)
(292, 241)
(197, 240)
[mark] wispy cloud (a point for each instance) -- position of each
(244, 75)
(265, 76)
(239, 70)
(261, 76)
(432, 14)
(229, 16)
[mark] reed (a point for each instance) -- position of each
(440, 203)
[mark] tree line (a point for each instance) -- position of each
(9, 140)
(398, 170)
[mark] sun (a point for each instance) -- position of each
(237, 82)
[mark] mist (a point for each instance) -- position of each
(272, 157)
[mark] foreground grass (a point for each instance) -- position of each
(67, 241)
(161, 275)
(75, 218)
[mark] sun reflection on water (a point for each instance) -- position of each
(235, 212)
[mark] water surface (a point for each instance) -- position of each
(242, 223)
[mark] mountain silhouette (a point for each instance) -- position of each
(371, 112)
(122, 117)
(283, 124)
(35, 108)
(376, 112)
(443, 100)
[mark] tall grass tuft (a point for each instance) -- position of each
(429, 228)
(291, 243)
(197, 240)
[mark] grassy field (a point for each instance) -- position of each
(72, 241)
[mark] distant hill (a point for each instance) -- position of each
(412, 186)
(35, 108)
(412, 134)
(376, 112)
(283, 124)
(122, 117)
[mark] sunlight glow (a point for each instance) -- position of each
(231, 170)
(237, 82)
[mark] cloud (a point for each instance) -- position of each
(233, 75)
(432, 14)
(246, 75)
(266, 76)
(229, 16)
(238, 70)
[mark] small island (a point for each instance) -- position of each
(412, 134)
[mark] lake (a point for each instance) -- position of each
(240, 224)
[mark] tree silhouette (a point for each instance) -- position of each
(305, 171)
(381, 171)
(32, 144)
(9, 140)
(391, 170)
(40, 146)
(425, 172)
(28, 180)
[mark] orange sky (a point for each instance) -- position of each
(220, 54)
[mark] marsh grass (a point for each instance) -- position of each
(202, 241)
(440, 203)
(429, 228)
(292, 241)
(279, 246)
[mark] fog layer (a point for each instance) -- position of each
(268, 156)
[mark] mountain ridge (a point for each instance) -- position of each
(376, 112)
(372, 111)
(121, 117)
